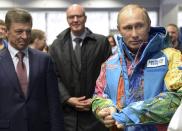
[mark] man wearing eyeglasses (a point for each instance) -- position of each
(78, 54)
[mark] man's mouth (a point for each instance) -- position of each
(135, 42)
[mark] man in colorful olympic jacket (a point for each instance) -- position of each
(139, 87)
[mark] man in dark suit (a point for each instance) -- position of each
(78, 54)
(29, 99)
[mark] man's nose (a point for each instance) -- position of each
(75, 18)
(170, 34)
(1, 30)
(134, 33)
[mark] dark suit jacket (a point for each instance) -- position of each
(74, 82)
(40, 110)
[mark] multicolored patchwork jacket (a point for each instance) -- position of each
(145, 92)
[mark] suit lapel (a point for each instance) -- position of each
(66, 51)
(7, 66)
(33, 69)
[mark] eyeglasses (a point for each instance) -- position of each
(73, 16)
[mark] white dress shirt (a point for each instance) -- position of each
(73, 37)
(15, 59)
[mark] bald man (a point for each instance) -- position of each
(78, 54)
(138, 88)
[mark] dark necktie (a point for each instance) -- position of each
(78, 51)
(22, 73)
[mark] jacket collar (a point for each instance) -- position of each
(158, 40)
(66, 34)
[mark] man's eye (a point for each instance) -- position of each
(128, 28)
(139, 26)
(19, 31)
(77, 16)
(70, 17)
(28, 31)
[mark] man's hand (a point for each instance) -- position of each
(119, 125)
(105, 116)
(80, 103)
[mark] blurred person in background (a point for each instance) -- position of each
(112, 42)
(38, 39)
(173, 31)
(46, 49)
(3, 35)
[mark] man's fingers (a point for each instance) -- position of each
(79, 106)
(108, 120)
(109, 125)
(82, 108)
(86, 109)
(81, 98)
(112, 110)
(109, 117)
(119, 125)
(103, 113)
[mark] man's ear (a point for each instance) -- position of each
(118, 28)
(85, 19)
(149, 28)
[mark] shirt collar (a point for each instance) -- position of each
(82, 36)
(14, 51)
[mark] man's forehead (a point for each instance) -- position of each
(132, 11)
(19, 26)
(172, 28)
(74, 10)
(2, 26)
(132, 15)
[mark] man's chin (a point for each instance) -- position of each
(77, 32)
(22, 46)
(134, 49)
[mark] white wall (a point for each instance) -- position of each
(66, 3)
